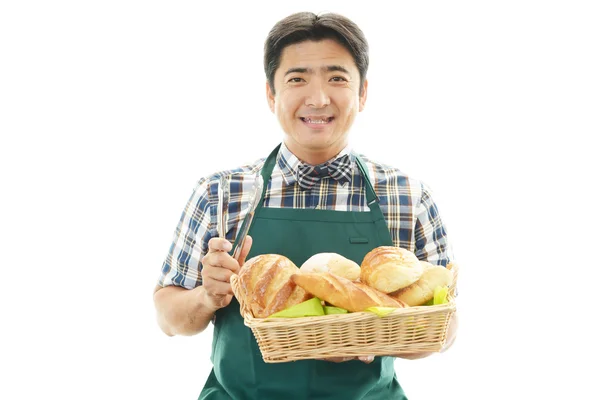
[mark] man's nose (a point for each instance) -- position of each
(317, 96)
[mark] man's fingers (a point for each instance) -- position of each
(219, 244)
(220, 259)
(413, 356)
(367, 359)
(217, 274)
(337, 359)
(245, 250)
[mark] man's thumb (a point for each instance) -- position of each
(245, 250)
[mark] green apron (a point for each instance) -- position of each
(238, 369)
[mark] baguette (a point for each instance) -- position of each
(266, 284)
(384, 299)
(341, 292)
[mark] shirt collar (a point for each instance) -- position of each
(289, 163)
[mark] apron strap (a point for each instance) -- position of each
(267, 170)
(372, 198)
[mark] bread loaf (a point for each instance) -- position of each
(342, 292)
(334, 263)
(384, 299)
(422, 290)
(266, 284)
(390, 268)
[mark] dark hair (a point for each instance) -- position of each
(305, 26)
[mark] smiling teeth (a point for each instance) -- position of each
(317, 121)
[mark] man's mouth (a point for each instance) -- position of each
(317, 120)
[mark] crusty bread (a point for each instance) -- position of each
(334, 263)
(341, 292)
(390, 268)
(422, 290)
(266, 284)
(383, 299)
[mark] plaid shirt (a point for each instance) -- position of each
(410, 212)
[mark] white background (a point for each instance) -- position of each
(111, 111)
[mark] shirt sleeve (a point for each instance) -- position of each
(431, 240)
(196, 227)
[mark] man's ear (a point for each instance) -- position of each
(363, 97)
(270, 98)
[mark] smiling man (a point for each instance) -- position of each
(314, 95)
(318, 193)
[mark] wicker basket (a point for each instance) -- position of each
(406, 330)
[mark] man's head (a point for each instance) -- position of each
(316, 70)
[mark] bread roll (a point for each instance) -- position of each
(266, 284)
(422, 290)
(334, 263)
(389, 268)
(341, 292)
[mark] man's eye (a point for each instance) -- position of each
(295, 80)
(339, 79)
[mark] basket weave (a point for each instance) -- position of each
(405, 330)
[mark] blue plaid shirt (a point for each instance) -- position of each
(410, 212)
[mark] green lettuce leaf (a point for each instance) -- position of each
(381, 311)
(308, 308)
(334, 310)
(440, 295)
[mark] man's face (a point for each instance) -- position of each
(316, 98)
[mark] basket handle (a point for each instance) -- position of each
(238, 293)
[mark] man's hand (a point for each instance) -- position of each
(365, 359)
(217, 268)
(450, 338)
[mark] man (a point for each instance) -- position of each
(318, 192)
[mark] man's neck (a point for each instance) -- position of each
(317, 156)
